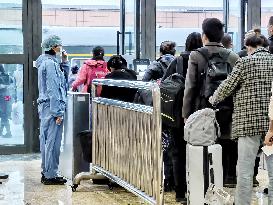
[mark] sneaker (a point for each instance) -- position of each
(54, 181)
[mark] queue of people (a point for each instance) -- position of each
(245, 92)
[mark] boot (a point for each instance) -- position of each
(54, 181)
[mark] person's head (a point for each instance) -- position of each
(213, 30)
(270, 26)
(2, 69)
(98, 53)
(167, 47)
(227, 41)
(116, 62)
(193, 42)
(53, 43)
(74, 69)
(254, 39)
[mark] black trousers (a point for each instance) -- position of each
(178, 153)
(229, 159)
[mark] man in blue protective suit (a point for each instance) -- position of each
(51, 108)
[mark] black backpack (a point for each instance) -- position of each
(172, 92)
(214, 74)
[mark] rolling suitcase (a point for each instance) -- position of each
(203, 168)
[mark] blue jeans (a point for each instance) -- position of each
(50, 141)
(247, 151)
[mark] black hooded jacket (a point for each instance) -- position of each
(117, 93)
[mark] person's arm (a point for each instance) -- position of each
(191, 86)
(81, 78)
(269, 136)
(227, 87)
(52, 83)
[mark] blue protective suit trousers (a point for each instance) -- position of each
(50, 141)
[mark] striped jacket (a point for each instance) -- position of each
(250, 85)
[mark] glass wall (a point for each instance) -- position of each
(177, 18)
(11, 104)
(266, 12)
(234, 23)
(11, 33)
(83, 24)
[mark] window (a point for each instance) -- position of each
(83, 24)
(11, 40)
(178, 18)
(11, 104)
(267, 11)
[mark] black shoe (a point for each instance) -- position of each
(54, 181)
(181, 200)
(42, 178)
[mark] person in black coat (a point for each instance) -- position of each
(193, 42)
(119, 71)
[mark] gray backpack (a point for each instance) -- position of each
(201, 128)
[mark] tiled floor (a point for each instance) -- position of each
(24, 188)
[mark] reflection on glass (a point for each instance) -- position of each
(11, 33)
(129, 27)
(176, 19)
(267, 11)
(234, 23)
(11, 104)
(82, 25)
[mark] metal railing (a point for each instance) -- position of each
(127, 141)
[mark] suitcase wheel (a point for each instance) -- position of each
(74, 187)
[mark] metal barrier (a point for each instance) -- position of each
(127, 141)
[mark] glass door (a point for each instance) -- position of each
(11, 73)
(18, 36)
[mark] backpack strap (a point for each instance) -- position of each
(204, 52)
(179, 65)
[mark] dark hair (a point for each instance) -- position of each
(270, 22)
(98, 53)
(213, 29)
(254, 38)
(74, 69)
(226, 40)
(167, 47)
(117, 62)
(193, 42)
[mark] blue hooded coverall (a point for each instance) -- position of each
(51, 104)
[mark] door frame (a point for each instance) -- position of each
(32, 35)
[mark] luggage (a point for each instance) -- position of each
(201, 128)
(203, 168)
